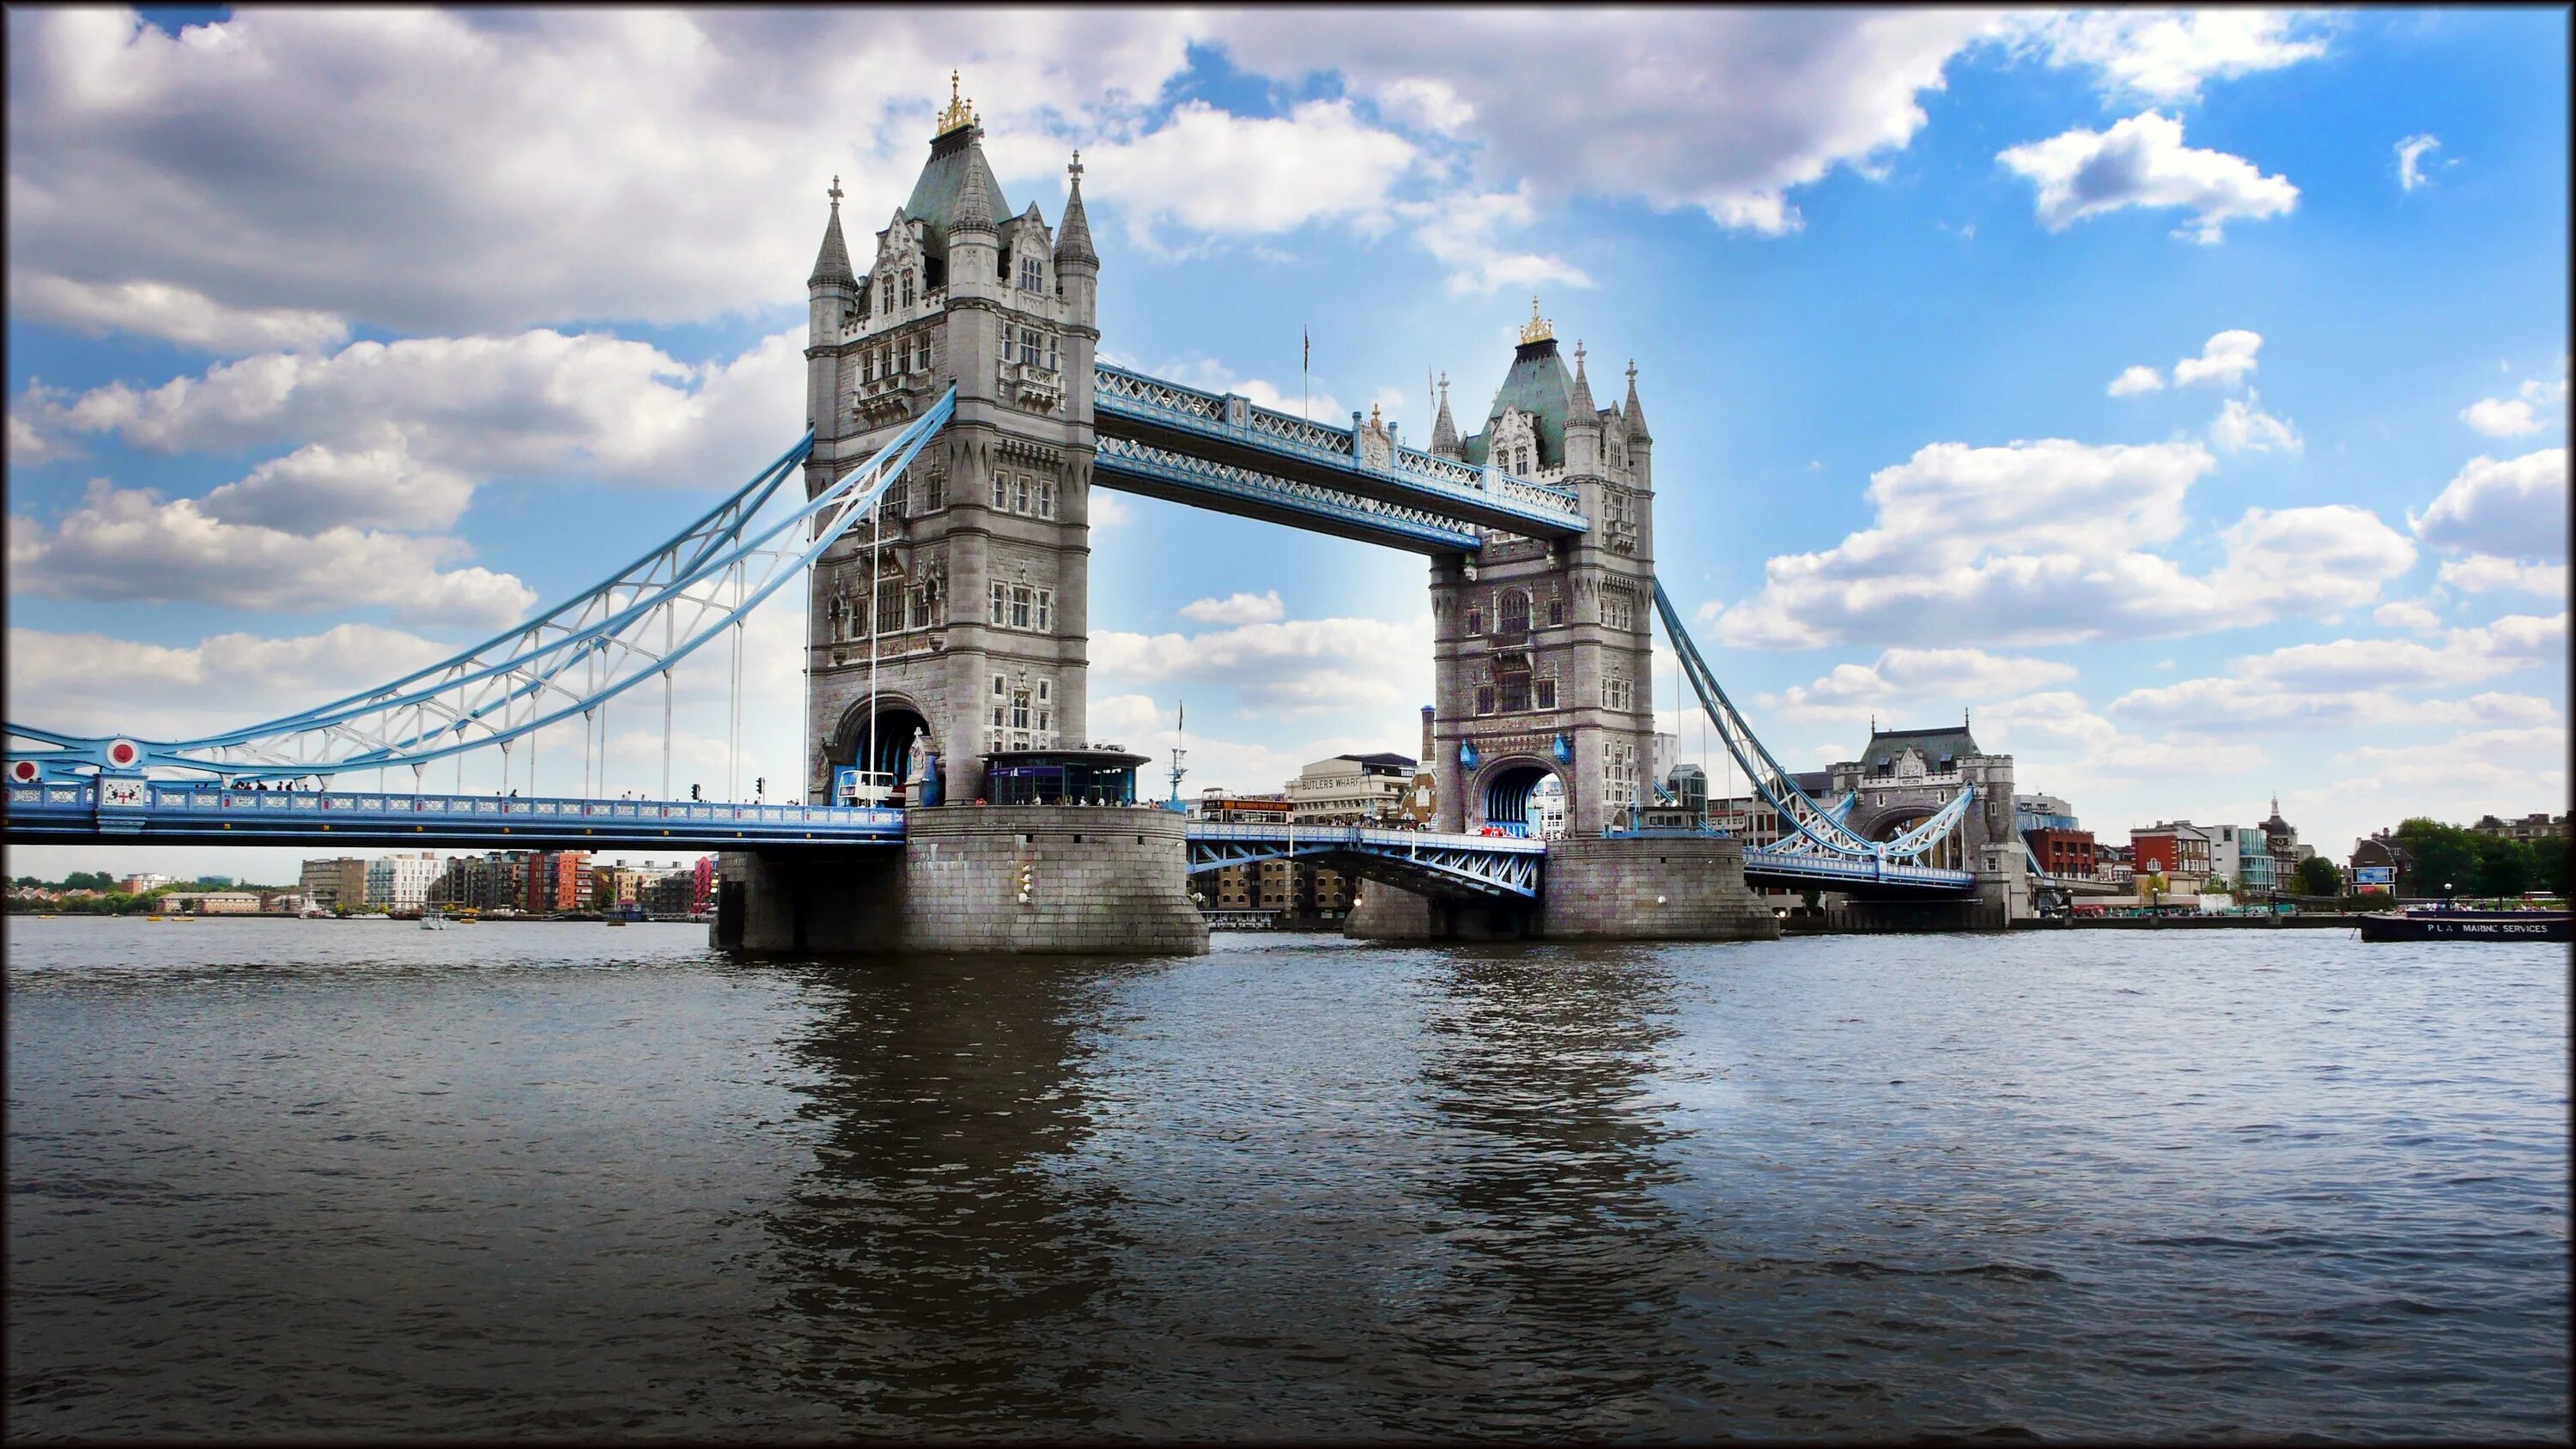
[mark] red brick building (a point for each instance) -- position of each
(554, 880)
(2064, 852)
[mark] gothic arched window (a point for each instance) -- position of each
(1515, 612)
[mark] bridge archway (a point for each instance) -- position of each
(1525, 796)
(1890, 821)
(897, 720)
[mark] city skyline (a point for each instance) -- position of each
(2184, 396)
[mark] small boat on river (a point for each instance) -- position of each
(2440, 925)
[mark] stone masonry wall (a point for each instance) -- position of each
(1106, 879)
(1646, 889)
(1109, 880)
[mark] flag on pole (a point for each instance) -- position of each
(1305, 361)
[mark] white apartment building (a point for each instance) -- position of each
(1351, 790)
(401, 882)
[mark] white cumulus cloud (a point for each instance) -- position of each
(2142, 161)
(2137, 379)
(529, 403)
(2241, 426)
(1237, 609)
(2224, 359)
(2516, 508)
(1902, 675)
(2165, 55)
(131, 545)
(318, 487)
(1290, 666)
(2519, 415)
(2049, 543)
(2484, 573)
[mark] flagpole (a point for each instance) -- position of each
(1305, 387)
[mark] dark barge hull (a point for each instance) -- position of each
(2497, 927)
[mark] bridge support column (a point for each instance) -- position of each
(1391, 913)
(1648, 889)
(2002, 881)
(1098, 880)
(1600, 889)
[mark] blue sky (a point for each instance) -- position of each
(338, 338)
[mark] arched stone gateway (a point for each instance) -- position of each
(1524, 796)
(898, 721)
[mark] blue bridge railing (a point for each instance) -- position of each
(115, 807)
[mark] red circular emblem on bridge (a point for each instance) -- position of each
(123, 753)
(23, 771)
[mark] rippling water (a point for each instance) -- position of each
(332, 1178)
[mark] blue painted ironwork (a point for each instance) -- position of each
(1813, 826)
(87, 810)
(1488, 867)
(568, 661)
(1773, 865)
(1224, 428)
(1134, 467)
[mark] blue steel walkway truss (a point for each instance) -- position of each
(1220, 451)
(1448, 867)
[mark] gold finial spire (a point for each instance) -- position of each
(1539, 328)
(960, 112)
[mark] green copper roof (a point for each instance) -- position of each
(934, 196)
(1537, 385)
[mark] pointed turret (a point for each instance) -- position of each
(1635, 411)
(832, 301)
(1073, 238)
(832, 262)
(1444, 441)
(1582, 424)
(974, 211)
(1641, 443)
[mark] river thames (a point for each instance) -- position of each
(337, 1179)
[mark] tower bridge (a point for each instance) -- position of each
(958, 421)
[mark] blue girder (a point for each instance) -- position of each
(1134, 467)
(1227, 429)
(91, 810)
(1806, 826)
(1481, 867)
(495, 693)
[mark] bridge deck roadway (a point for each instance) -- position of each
(177, 814)
(1456, 866)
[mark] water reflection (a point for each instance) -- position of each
(1567, 1268)
(936, 1269)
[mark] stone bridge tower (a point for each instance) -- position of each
(1542, 651)
(971, 587)
(1903, 776)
